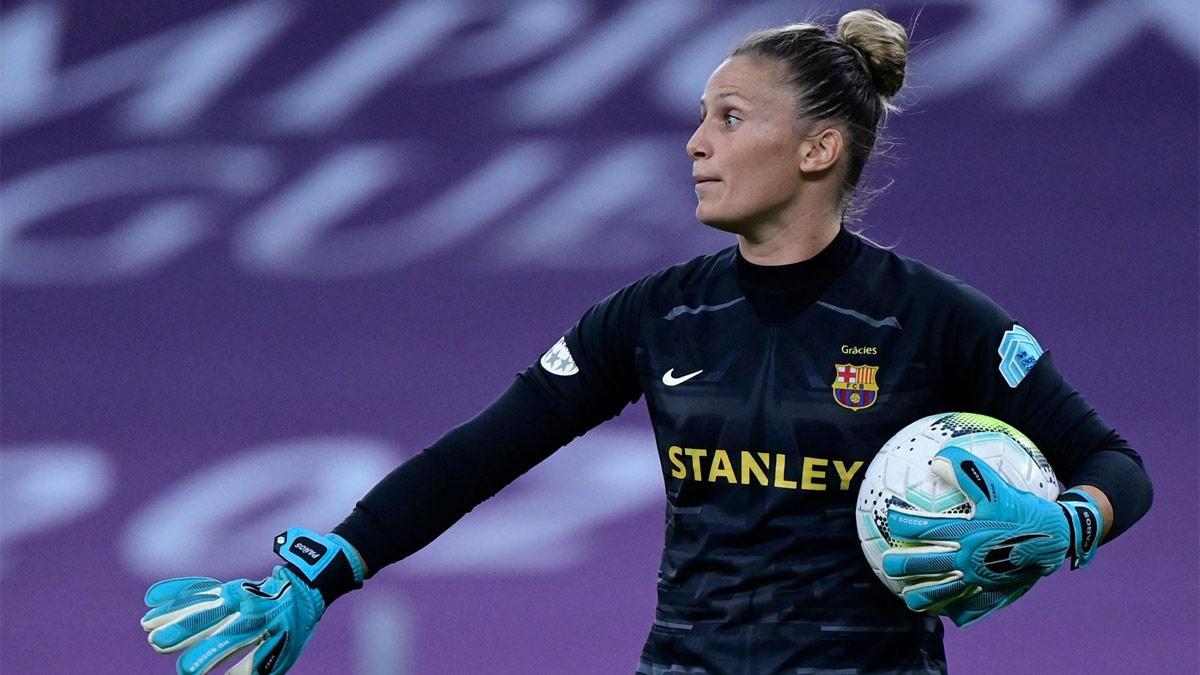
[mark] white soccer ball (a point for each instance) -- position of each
(900, 474)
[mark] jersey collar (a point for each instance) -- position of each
(806, 276)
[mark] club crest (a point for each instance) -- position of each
(854, 386)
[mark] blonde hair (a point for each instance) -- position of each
(881, 44)
(851, 76)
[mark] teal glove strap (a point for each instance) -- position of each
(329, 564)
(208, 620)
(968, 568)
(1083, 515)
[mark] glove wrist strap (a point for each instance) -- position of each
(1085, 524)
(326, 562)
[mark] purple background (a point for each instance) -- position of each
(246, 247)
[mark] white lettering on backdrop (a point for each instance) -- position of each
(561, 63)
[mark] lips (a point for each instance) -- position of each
(704, 179)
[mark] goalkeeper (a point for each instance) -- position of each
(773, 371)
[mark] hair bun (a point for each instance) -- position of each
(882, 42)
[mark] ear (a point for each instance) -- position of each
(821, 150)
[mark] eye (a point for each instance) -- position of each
(731, 120)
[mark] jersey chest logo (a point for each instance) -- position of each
(854, 386)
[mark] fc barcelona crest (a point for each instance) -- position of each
(854, 386)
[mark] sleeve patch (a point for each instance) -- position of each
(558, 360)
(1019, 351)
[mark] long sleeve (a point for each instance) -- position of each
(1000, 369)
(424, 496)
(586, 378)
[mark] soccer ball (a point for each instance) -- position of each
(900, 474)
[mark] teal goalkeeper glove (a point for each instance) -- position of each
(967, 568)
(208, 620)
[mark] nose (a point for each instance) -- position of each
(697, 145)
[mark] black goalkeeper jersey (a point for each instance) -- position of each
(770, 390)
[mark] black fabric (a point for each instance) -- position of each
(1117, 471)
(779, 293)
(423, 497)
(1045, 407)
(761, 459)
(336, 580)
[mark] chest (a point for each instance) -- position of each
(834, 383)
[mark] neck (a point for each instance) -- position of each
(798, 240)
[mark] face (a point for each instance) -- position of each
(747, 154)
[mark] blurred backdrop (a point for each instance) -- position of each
(254, 254)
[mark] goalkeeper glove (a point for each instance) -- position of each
(970, 567)
(208, 620)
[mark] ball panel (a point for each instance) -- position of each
(900, 474)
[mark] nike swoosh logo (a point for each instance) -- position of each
(999, 557)
(257, 590)
(670, 380)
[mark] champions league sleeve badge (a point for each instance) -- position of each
(558, 360)
(854, 386)
(1018, 352)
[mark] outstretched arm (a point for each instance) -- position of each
(585, 379)
(426, 495)
(588, 377)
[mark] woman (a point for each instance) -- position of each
(737, 354)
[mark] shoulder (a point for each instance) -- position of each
(925, 289)
(910, 274)
(696, 279)
(697, 271)
(689, 282)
